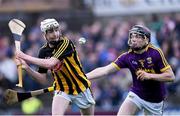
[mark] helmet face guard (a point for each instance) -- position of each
(144, 32)
(49, 24)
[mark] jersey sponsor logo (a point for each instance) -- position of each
(134, 62)
(147, 70)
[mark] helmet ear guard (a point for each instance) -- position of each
(147, 42)
(48, 24)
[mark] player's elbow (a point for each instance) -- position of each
(171, 77)
(43, 81)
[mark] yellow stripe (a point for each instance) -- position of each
(55, 79)
(73, 85)
(147, 45)
(115, 65)
(89, 83)
(120, 56)
(77, 68)
(63, 44)
(65, 85)
(130, 50)
(163, 58)
(61, 48)
(60, 52)
(161, 54)
(51, 88)
(165, 68)
(78, 59)
(74, 76)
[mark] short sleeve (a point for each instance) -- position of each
(161, 62)
(120, 62)
(42, 55)
(65, 48)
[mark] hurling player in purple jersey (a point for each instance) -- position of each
(149, 70)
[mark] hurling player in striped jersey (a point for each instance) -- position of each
(59, 55)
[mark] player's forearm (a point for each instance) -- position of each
(46, 63)
(101, 72)
(41, 78)
(96, 73)
(164, 77)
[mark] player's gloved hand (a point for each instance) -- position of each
(142, 75)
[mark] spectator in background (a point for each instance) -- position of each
(7, 66)
(175, 63)
(8, 72)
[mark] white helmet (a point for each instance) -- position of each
(47, 24)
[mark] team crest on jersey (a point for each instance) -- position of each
(149, 60)
(58, 66)
(142, 62)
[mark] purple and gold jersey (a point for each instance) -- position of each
(151, 61)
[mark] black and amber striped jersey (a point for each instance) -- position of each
(68, 74)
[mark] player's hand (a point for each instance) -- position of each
(21, 62)
(142, 75)
(24, 64)
(19, 54)
(17, 61)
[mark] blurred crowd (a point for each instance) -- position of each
(106, 40)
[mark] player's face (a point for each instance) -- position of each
(137, 40)
(53, 34)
